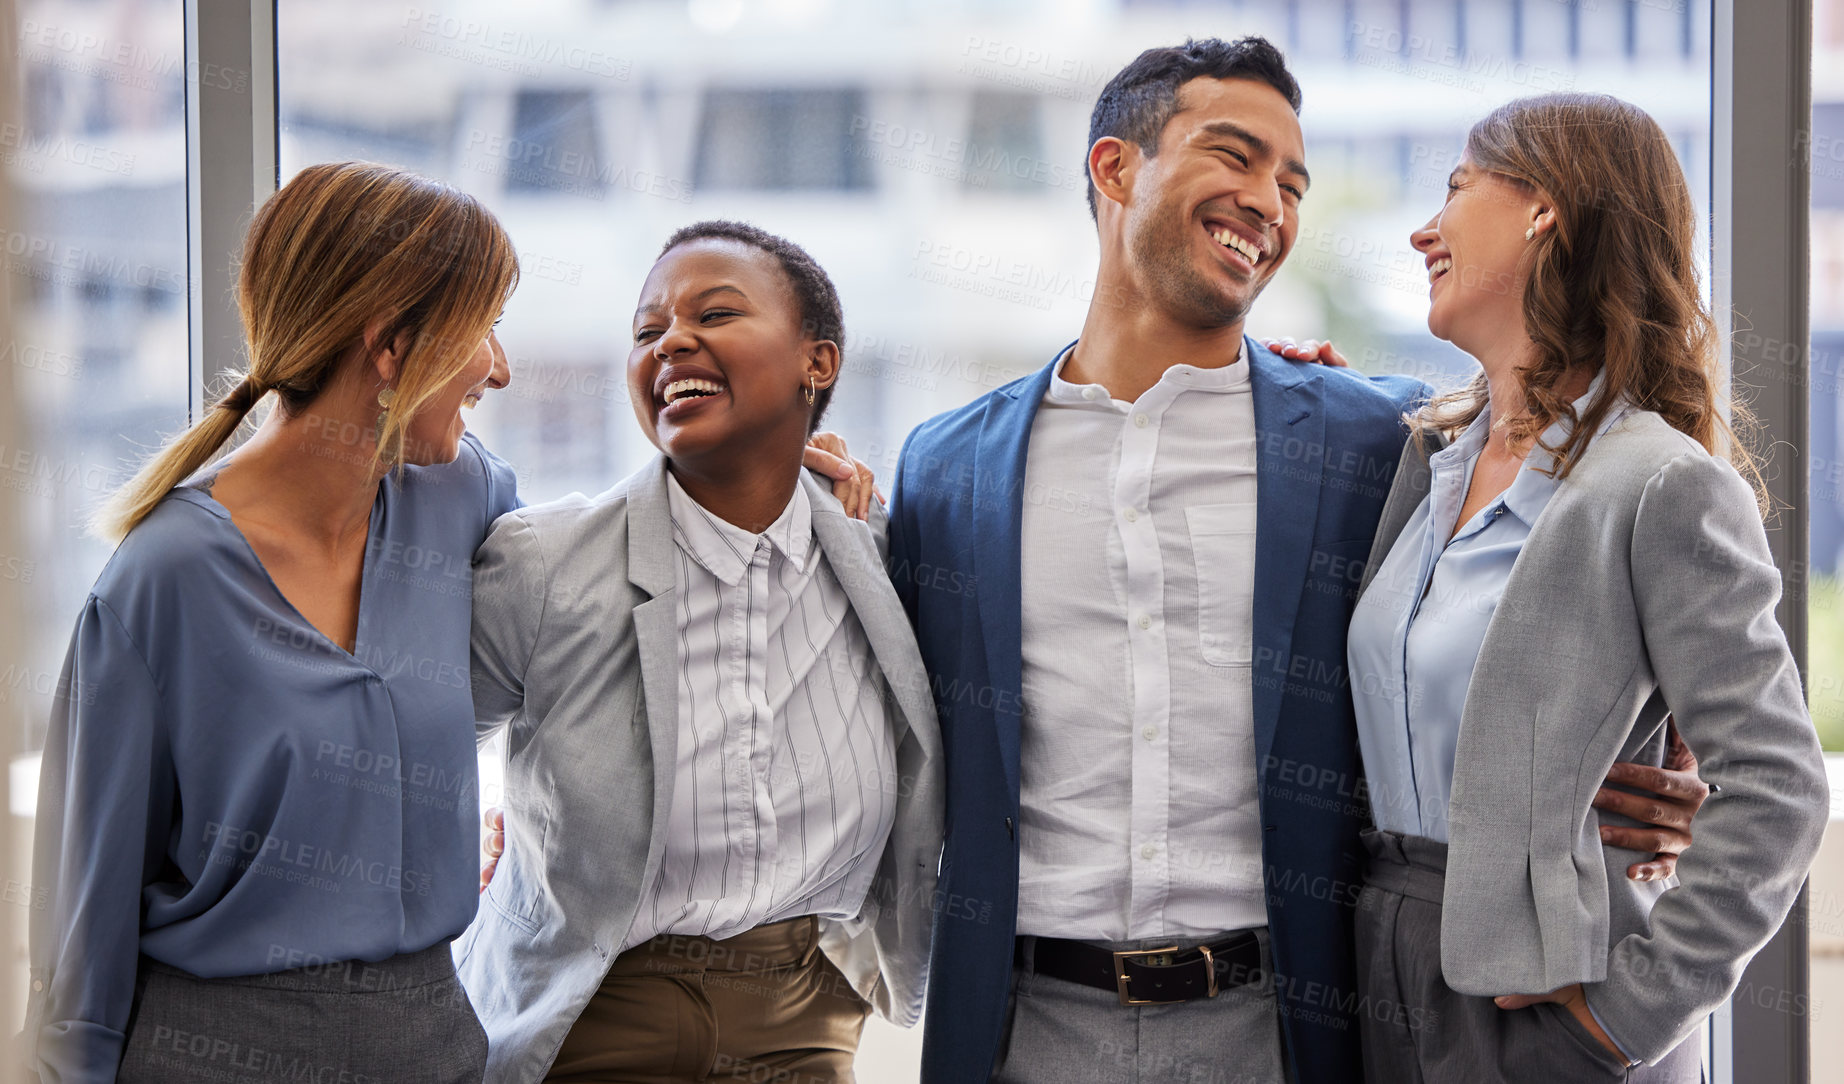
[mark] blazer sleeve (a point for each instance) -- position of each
(510, 590)
(1705, 585)
(105, 812)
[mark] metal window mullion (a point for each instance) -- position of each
(231, 167)
(1761, 104)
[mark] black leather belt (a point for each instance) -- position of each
(1157, 976)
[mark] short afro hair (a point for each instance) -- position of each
(1138, 102)
(820, 314)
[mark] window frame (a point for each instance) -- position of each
(232, 164)
(1760, 234)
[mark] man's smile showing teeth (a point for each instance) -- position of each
(1232, 240)
(691, 388)
(1440, 267)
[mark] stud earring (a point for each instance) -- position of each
(811, 391)
(1530, 233)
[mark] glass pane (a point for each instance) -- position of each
(95, 258)
(1825, 481)
(931, 158)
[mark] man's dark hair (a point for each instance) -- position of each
(820, 314)
(1137, 102)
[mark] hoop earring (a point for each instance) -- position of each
(811, 391)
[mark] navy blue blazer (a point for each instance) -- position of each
(1327, 447)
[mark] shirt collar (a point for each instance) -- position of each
(1530, 491)
(1187, 377)
(724, 549)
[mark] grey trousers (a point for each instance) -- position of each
(1416, 1030)
(398, 1020)
(1065, 1033)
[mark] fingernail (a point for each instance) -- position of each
(1606, 834)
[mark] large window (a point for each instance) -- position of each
(94, 362)
(96, 264)
(929, 155)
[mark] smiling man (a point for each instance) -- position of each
(1130, 576)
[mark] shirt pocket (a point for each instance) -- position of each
(1223, 549)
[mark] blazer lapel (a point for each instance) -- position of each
(998, 518)
(867, 587)
(649, 557)
(1414, 476)
(1289, 458)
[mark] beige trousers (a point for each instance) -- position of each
(764, 1006)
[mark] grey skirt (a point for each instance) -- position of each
(401, 1019)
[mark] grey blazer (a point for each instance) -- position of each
(1645, 588)
(575, 651)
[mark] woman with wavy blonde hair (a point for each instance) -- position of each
(257, 807)
(1572, 552)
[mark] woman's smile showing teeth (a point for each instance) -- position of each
(690, 388)
(1439, 267)
(682, 396)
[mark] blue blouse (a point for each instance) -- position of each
(229, 792)
(1415, 635)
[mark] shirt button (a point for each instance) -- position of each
(1139, 421)
(1150, 732)
(1145, 622)
(1148, 851)
(37, 985)
(1130, 515)
(1091, 392)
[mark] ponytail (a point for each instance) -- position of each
(176, 462)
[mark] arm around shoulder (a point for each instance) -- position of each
(1705, 586)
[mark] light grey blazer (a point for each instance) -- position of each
(1645, 588)
(575, 650)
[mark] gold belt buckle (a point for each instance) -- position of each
(1120, 973)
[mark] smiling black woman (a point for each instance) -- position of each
(723, 804)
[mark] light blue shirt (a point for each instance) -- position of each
(1416, 633)
(227, 791)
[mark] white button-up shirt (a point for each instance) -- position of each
(1138, 815)
(784, 788)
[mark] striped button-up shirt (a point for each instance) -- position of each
(785, 784)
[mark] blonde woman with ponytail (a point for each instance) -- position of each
(256, 817)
